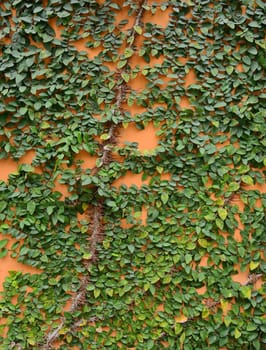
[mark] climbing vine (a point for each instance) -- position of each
(125, 266)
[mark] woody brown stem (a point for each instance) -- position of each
(96, 228)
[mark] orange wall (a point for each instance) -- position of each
(146, 139)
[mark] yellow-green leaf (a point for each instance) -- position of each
(146, 286)
(126, 77)
(178, 328)
(164, 198)
(105, 137)
(167, 279)
(106, 244)
(31, 341)
(203, 242)
(224, 305)
(68, 338)
(137, 214)
(247, 179)
(148, 258)
(182, 338)
(159, 169)
(229, 69)
(128, 52)
(209, 217)
(121, 64)
(219, 223)
(253, 265)
(227, 320)
(110, 292)
(222, 213)
(87, 256)
(237, 333)
(233, 186)
(138, 29)
(205, 313)
(246, 291)
(45, 125)
(96, 293)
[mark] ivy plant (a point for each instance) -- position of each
(124, 266)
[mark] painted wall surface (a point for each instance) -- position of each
(147, 139)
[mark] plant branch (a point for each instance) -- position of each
(96, 229)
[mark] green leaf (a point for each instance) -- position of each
(26, 167)
(164, 197)
(31, 206)
(96, 293)
(241, 251)
(3, 243)
(227, 320)
(105, 136)
(253, 265)
(106, 244)
(44, 258)
(182, 338)
(252, 100)
(115, 6)
(142, 51)
(176, 258)
(222, 212)
(188, 258)
(121, 64)
(3, 205)
(3, 252)
(110, 292)
(128, 52)
(246, 291)
(219, 223)
(243, 169)
(50, 210)
(87, 256)
(254, 24)
(237, 333)
(154, 279)
(152, 289)
(233, 186)
(209, 217)
(4, 227)
(214, 71)
(137, 214)
(167, 279)
(178, 328)
(126, 77)
(247, 179)
(229, 70)
(220, 104)
(203, 242)
(111, 203)
(138, 29)
(45, 125)
(257, 344)
(210, 148)
(53, 281)
(131, 248)
(159, 169)
(205, 313)
(191, 246)
(24, 250)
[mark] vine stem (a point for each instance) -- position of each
(97, 228)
